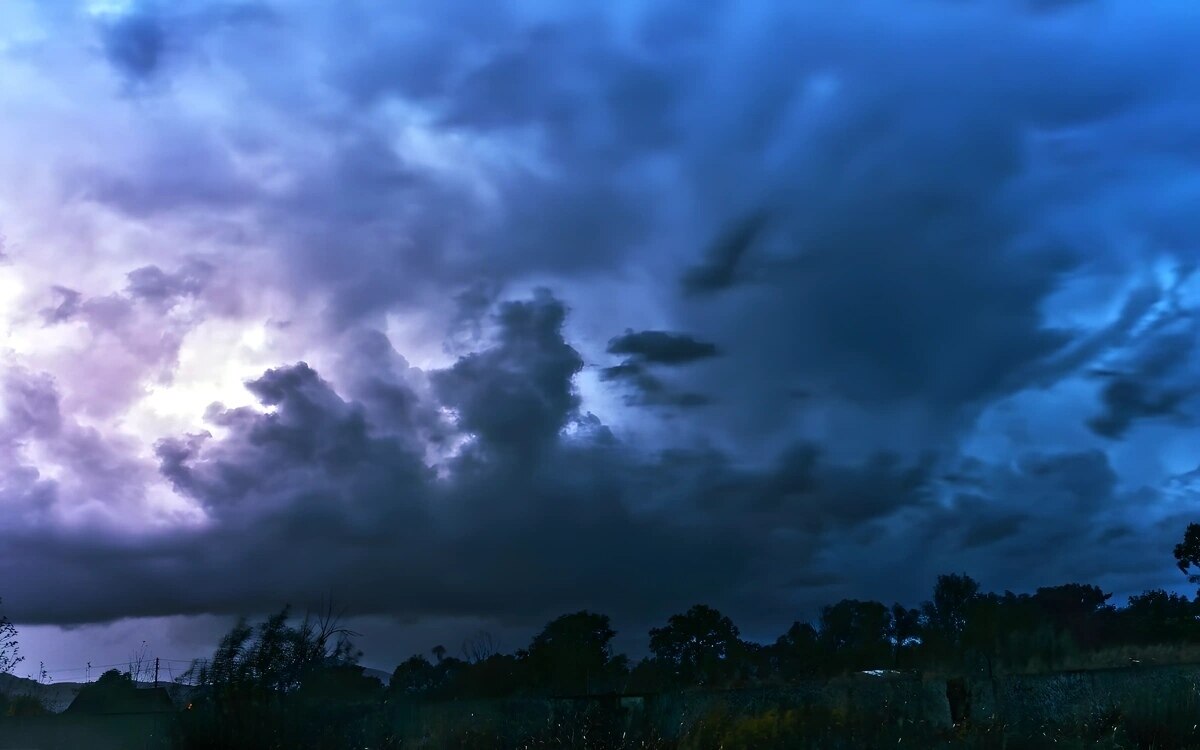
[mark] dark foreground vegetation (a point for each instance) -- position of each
(951, 669)
(1062, 667)
(274, 685)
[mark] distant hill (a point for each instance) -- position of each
(55, 696)
(382, 676)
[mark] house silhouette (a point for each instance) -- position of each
(120, 696)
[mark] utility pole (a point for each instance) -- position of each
(156, 671)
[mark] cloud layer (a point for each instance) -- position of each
(496, 314)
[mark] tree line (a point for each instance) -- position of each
(959, 629)
(277, 684)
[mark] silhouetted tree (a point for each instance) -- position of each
(479, 647)
(857, 634)
(10, 655)
(1159, 617)
(1187, 552)
(753, 665)
(650, 675)
(573, 654)
(1076, 609)
(271, 656)
(497, 676)
(797, 653)
(114, 679)
(414, 676)
(992, 622)
(906, 630)
(698, 647)
(267, 686)
(946, 614)
(343, 686)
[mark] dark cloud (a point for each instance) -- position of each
(648, 389)
(868, 317)
(517, 395)
(816, 579)
(644, 349)
(530, 508)
(543, 508)
(860, 286)
(138, 42)
(720, 268)
(152, 284)
(398, 396)
(661, 347)
(988, 531)
(327, 465)
(818, 495)
(135, 44)
(318, 473)
(1126, 401)
(1003, 517)
(66, 306)
(1153, 375)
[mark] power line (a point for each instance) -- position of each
(88, 667)
(85, 667)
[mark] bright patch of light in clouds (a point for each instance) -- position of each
(215, 361)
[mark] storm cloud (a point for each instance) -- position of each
(661, 347)
(543, 508)
(347, 316)
(645, 349)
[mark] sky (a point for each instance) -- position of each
(469, 314)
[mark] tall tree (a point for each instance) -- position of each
(948, 611)
(573, 653)
(946, 615)
(269, 685)
(905, 633)
(797, 653)
(414, 676)
(700, 647)
(1076, 609)
(857, 634)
